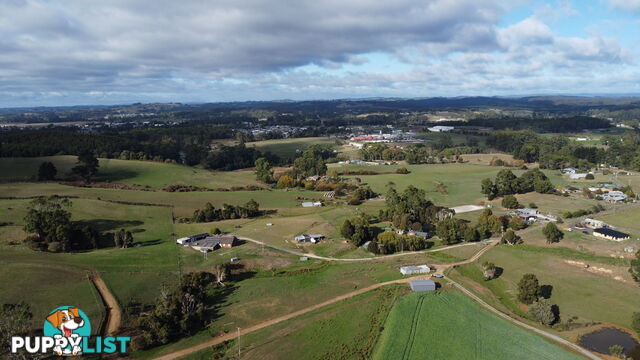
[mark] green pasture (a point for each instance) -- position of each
(131, 172)
(450, 326)
(575, 290)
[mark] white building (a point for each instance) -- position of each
(440, 128)
(576, 176)
(311, 204)
(419, 269)
(595, 224)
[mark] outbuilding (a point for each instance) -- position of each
(423, 285)
(419, 269)
(610, 234)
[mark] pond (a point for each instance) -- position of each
(601, 340)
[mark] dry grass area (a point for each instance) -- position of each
(489, 159)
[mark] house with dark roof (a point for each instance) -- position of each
(610, 234)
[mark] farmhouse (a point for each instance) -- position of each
(614, 196)
(214, 242)
(189, 239)
(410, 270)
(610, 234)
(423, 285)
(595, 224)
(312, 238)
(532, 215)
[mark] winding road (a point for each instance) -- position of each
(381, 257)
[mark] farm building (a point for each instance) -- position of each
(189, 239)
(576, 176)
(595, 224)
(311, 204)
(610, 234)
(422, 234)
(569, 171)
(440, 128)
(419, 269)
(423, 285)
(312, 238)
(614, 196)
(214, 242)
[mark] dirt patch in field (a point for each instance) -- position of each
(599, 270)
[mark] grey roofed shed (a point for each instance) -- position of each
(423, 285)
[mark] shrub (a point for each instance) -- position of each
(510, 202)
(402, 170)
(54, 246)
(590, 177)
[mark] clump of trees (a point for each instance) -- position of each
(552, 233)
(264, 172)
(360, 194)
(542, 311)
(489, 270)
(357, 230)
(582, 212)
(528, 289)
(510, 202)
(389, 242)
(510, 238)
(177, 313)
(312, 161)
(506, 183)
(49, 219)
(123, 239)
(15, 320)
(210, 213)
(634, 269)
(87, 166)
(47, 171)
(410, 210)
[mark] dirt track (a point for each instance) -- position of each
(233, 335)
(113, 310)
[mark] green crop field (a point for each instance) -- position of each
(288, 147)
(450, 326)
(131, 172)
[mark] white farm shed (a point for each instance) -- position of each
(419, 269)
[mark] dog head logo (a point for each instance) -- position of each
(68, 325)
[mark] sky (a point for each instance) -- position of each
(81, 52)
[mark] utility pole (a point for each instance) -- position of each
(238, 342)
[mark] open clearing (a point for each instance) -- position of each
(288, 147)
(422, 326)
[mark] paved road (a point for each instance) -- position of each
(382, 257)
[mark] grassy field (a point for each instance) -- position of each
(423, 326)
(345, 330)
(576, 290)
(136, 272)
(462, 181)
(131, 172)
(290, 147)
